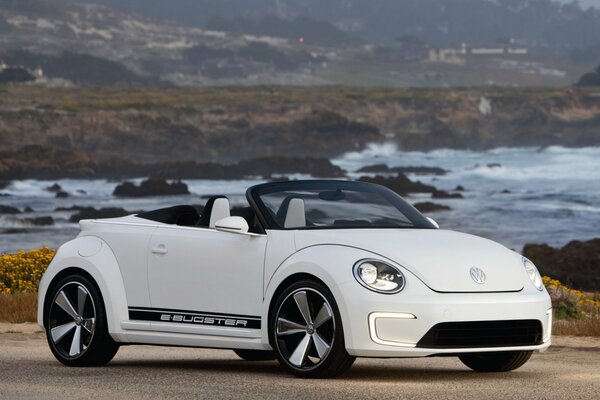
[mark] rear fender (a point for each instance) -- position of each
(92, 255)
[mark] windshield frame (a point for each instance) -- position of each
(254, 193)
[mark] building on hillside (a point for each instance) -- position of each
(458, 55)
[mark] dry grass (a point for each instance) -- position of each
(575, 312)
(22, 307)
(18, 307)
(577, 327)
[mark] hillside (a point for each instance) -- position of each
(545, 24)
(55, 128)
(128, 44)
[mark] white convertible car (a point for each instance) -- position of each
(314, 273)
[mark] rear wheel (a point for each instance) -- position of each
(255, 355)
(76, 327)
(306, 332)
(501, 361)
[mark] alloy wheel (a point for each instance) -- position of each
(305, 328)
(72, 320)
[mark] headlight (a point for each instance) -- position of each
(379, 276)
(533, 273)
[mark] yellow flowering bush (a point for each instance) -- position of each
(554, 286)
(20, 274)
(22, 271)
(570, 304)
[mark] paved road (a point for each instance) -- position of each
(570, 370)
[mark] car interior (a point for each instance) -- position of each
(215, 209)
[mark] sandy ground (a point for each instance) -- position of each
(569, 370)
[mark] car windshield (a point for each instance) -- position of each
(333, 204)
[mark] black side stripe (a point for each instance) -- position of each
(194, 317)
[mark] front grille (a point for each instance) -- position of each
(525, 332)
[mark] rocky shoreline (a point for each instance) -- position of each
(119, 133)
(577, 264)
(34, 162)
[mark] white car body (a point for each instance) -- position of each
(167, 284)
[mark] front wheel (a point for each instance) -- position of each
(305, 330)
(500, 361)
(76, 326)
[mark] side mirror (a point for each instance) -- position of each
(232, 224)
(437, 226)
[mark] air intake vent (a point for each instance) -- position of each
(483, 334)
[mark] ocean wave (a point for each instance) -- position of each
(525, 163)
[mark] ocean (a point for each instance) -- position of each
(512, 195)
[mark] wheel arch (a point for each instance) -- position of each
(290, 280)
(101, 268)
(57, 278)
(330, 265)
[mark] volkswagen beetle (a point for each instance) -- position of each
(313, 273)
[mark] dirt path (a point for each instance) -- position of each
(570, 369)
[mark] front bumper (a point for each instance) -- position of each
(378, 325)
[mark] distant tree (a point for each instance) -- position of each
(590, 79)
(586, 55)
(14, 74)
(262, 52)
(81, 69)
(200, 54)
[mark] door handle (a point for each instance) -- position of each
(160, 249)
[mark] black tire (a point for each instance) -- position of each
(86, 319)
(255, 355)
(501, 361)
(320, 339)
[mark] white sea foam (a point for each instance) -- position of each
(553, 194)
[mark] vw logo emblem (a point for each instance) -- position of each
(477, 275)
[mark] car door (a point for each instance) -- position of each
(206, 279)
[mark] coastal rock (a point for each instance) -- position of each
(71, 208)
(151, 187)
(442, 194)
(577, 264)
(399, 184)
(9, 210)
(4, 184)
(39, 221)
(92, 213)
(54, 188)
(61, 194)
(383, 168)
(428, 206)
(36, 163)
(374, 168)
(28, 209)
(14, 231)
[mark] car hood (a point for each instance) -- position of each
(441, 259)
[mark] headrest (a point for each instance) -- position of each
(220, 210)
(295, 216)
